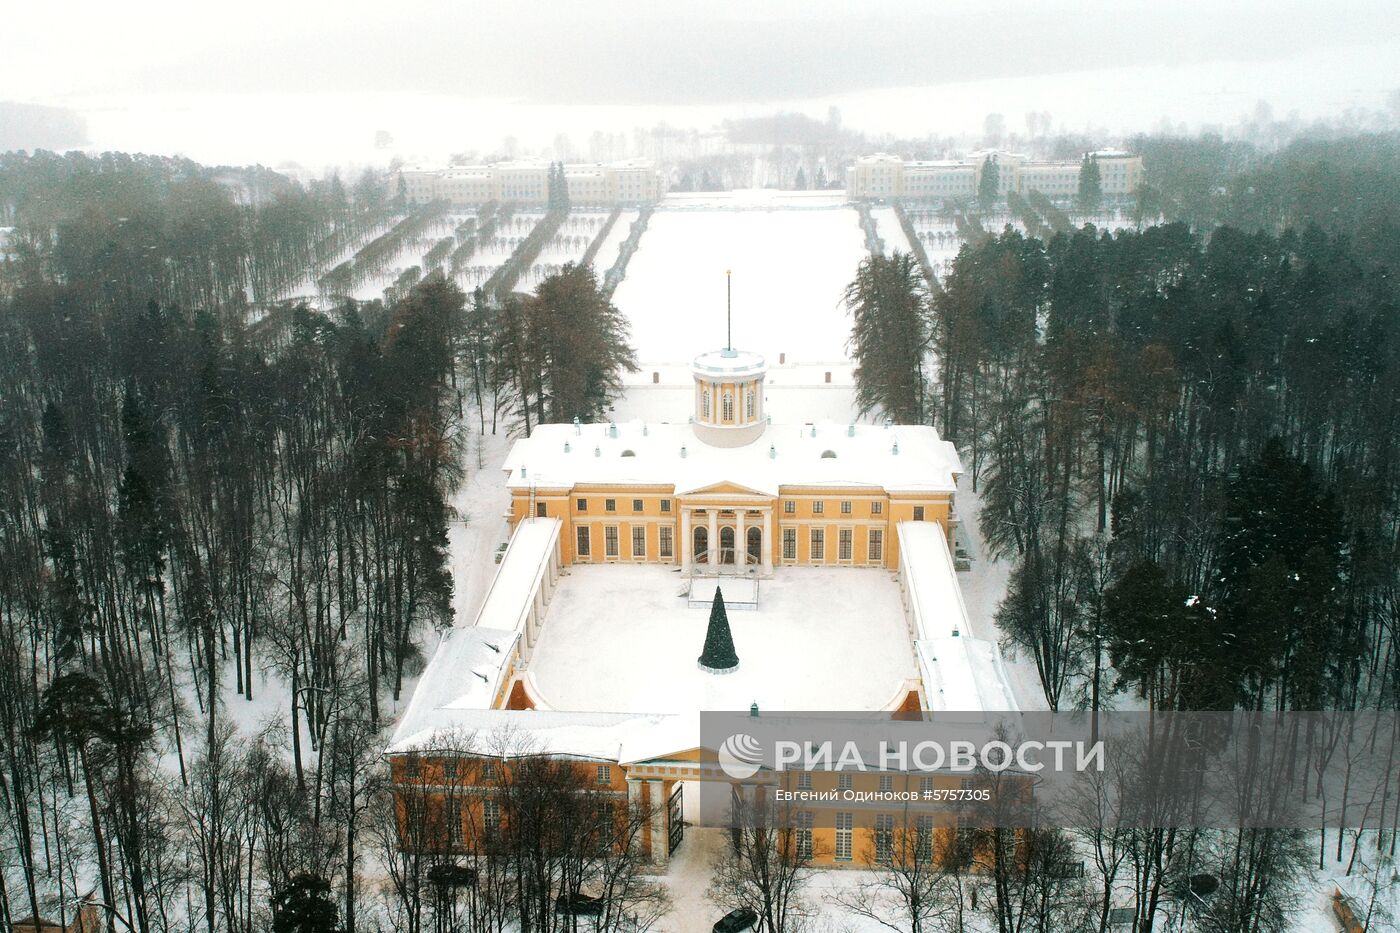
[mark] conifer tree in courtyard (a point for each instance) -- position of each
(719, 656)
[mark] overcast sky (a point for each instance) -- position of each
(622, 51)
(271, 80)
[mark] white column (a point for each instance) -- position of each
(741, 544)
(713, 559)
(685, 538)
(767, 548)
(660, 844)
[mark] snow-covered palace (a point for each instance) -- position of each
(832, 545)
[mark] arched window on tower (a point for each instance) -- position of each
(748, 405)
(728, 409)
(705, 403)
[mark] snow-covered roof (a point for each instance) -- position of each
(465, 673)
(961, 672)
(507, 603)
(901, 458)
(728, 364)
(601, 736)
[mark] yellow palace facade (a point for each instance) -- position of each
(728, 491)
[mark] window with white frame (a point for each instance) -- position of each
(845, 826)
(639, 540)
(705, 403)
(818, 507)
(789, 507)
(843, 782)
(804, 780)
(843, 544)
(727, 412)
(605, 774)
(666, 541)
(886, 783)
(636, 505)
(923, 839)
(845, 506)
(748, 406)
(490, 816)
(789, 544)
(884, 837)
(818, 544)
(610, 541)
(804, 834)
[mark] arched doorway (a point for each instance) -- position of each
(726, 545)
(700, 553)
(755, 545)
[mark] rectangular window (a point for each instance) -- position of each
(804, 780)
(818, 544)
(843, 782)
(449, 770)
(923, 839)
(843, 544)
(665, 505)
(581, 548)
(639, 540)
(789, 544)
(925, 786)
(818, 507)
(886, 783)
(610, 541)
(604, 774)
(789, 507)
(453, 817)
(490, 817)
(876, 546)
(845, 822)
(877, 508)
(845, 506)
(636, 505)
(583, 505)
(667, 548)
(609, 505)
(884, 837)
(804, 834)
(918, 513)
(541, 511)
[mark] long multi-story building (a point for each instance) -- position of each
(887, 177)
(635, 181)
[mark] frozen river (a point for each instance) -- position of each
(792, 254)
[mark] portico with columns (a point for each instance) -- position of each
(736, 530)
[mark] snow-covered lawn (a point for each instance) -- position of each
(790, 266)
(622, 638)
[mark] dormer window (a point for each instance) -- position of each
(828, 455)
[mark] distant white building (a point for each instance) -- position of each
(885, 177)
(635, 181)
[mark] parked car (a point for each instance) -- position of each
(580, 905)
(737, 920)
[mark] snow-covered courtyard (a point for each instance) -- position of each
(622, 638)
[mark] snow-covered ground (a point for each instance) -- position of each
(791, 254)
(623, 638)
(612, 243)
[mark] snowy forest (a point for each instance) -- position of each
(204, 500)
(1183, 437)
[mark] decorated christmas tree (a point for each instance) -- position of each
(718, 656)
